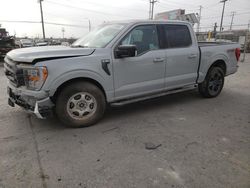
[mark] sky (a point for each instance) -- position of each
(76, 14)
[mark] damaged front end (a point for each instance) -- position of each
(25, 82)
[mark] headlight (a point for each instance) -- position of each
(34, 77)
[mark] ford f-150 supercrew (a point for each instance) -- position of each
(117, 63)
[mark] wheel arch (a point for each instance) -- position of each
(219, 63)
(204, 87)
(76, 79)
(205, 68)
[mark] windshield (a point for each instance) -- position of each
(99, 37)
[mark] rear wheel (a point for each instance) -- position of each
(80, 104)
(213, 83)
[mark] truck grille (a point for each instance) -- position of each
(12, 72)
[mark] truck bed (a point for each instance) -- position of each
(213, 51)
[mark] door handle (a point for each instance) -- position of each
(192, 56)
(158, 60)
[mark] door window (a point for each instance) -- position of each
(177, 36)
(144, 37)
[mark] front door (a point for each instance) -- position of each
(144, 73)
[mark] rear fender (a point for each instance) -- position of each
(206, 63)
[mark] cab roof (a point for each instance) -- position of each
(128, 22)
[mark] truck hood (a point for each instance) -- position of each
(29, 55)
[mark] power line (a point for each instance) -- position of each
(38, 22)
(228, 15)
(175, 3)
(88, 10)
(170, 6)
(79, 18)
(211, 6)
(242, 13)
(238, 25)
(110, 6)
(69, 25)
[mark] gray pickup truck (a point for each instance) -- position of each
(117, 63)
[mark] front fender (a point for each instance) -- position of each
(75, 74)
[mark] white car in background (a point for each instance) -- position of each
(42, 44)
(24, 43)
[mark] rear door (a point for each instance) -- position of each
(182, 55)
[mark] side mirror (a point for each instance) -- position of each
(125, 51)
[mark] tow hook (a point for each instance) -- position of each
(11, 103)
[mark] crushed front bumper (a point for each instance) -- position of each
(30, 101)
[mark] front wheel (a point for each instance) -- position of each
(80, 104)
(213, 83)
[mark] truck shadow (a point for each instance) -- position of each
(151, 105)
(124, 112)
(178, 100)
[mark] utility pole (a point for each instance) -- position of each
(151, 8)
(215, 27)
(89, 25)
(149, 12)
(246, 40)
(231, 25)
(199, 19)
(222, 15)
(152, 12)
(41, 9)
(63, 30)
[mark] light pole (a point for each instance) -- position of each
(41, 9)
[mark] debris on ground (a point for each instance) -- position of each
(114, 128)
(151, 146)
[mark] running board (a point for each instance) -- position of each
(133, 100)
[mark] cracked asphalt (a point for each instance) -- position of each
(200, 143)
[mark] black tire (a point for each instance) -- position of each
(213, 83)
(66, 113)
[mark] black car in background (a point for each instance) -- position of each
(7, 42)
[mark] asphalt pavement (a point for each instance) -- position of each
(177, 141)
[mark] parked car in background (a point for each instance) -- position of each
(6, 44)
(42, 44)
(55, 42)
(65, 44)
(24, 43)
(116, 64)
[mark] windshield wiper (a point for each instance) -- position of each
(79, 46)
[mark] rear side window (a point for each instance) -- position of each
(177, 36)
